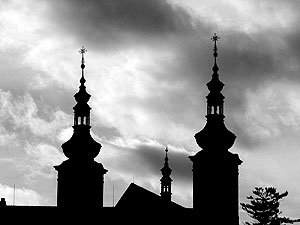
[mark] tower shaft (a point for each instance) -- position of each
(80, 178)
(215, 169)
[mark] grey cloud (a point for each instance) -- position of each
(243, 139)
(245, 60)
(292, 40)
(154, 157)
(14, 75)
(60, 98)
(113, 22)
(104, 131)
(144, 160)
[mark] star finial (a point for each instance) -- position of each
(82, 51)
(215, 38)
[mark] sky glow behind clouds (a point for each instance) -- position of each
(146, 68)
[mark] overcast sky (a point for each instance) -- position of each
(147, 66)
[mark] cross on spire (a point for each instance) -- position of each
(82, 51)
(215, 38)
(166, 158)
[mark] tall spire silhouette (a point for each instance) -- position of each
(215, 99)
(80, 174)
(166, 180)
(215, 126)
(81, 135)
(215, 169)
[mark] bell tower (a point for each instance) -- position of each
(215, 169)
(166, 180)
(80, 178)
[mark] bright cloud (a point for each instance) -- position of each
(19, 196)
(238, 14)
(23, 112)
(44, 155)
(271, 110)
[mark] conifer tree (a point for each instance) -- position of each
(264, 207)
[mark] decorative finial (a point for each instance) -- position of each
(166, 171)
(82, 51)
(215, 38)
(166, 158)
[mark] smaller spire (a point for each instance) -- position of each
(166, 171)
(166, 179)
(166, 157)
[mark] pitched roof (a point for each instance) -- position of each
(136, 197)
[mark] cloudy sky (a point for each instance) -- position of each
(146, 68)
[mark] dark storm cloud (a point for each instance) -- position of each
(241, 59)
(178, 161)
(111, 22)
(146, 160)
(293, 39)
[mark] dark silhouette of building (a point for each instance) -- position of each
(80, 177)
(166, 181)
(215, 169)
(138, 198)
(150, 207)
(2, 202)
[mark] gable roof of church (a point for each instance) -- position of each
(137, 197)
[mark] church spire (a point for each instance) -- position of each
(81, 125)
(215, 126)
(166, 179)
(215, 99)
(80, 175)
(82, 109)
(215, 168)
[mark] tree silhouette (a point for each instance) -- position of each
(264, 207)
